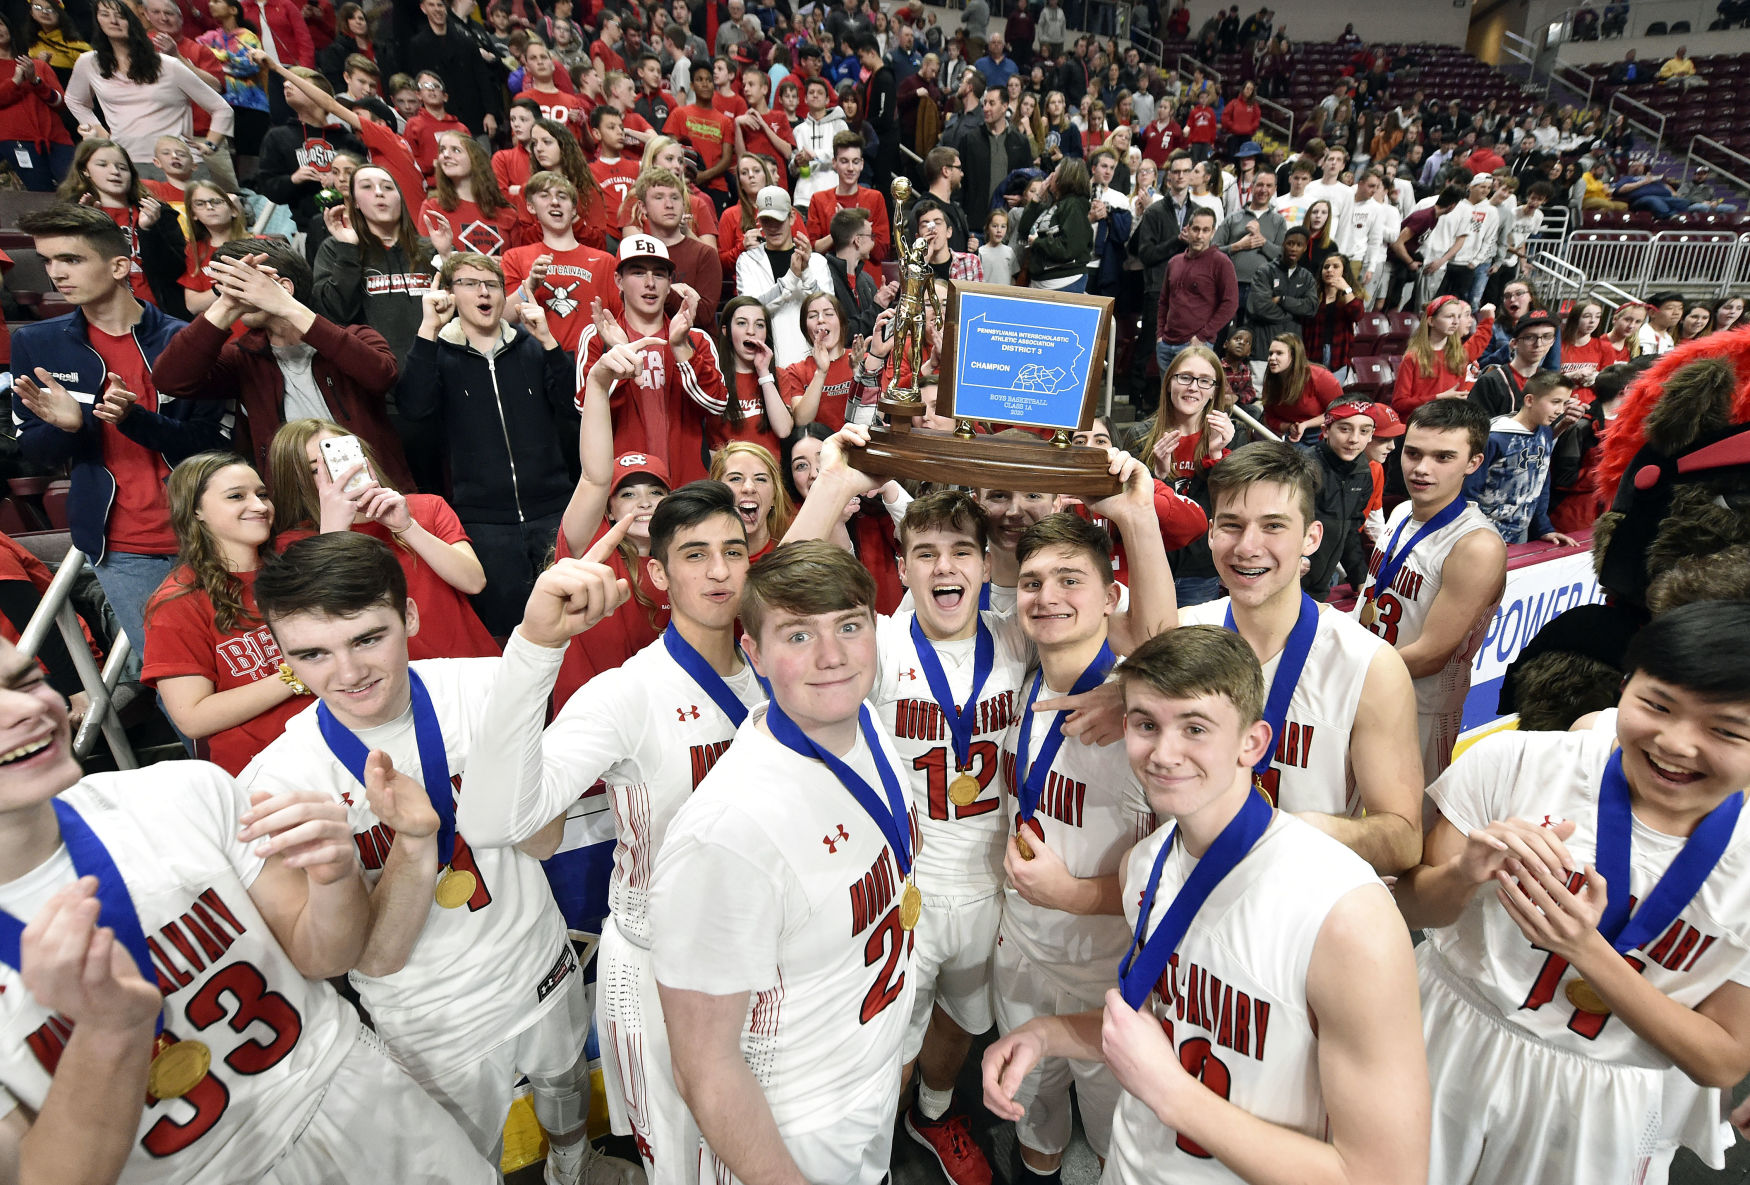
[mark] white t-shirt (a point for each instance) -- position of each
(1236, 992)
(645, 728)
(1549, 776)
(962, 849)
(478, 974)
(1341, 197)
(276, 1038)
(1311, 770)
(1403, 609)
(774, 881)
(1091, 811)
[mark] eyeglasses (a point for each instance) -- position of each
(431, 86)
(210, 203)
(476, 286)
(1195, 382)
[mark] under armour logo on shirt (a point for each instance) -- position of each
(682, 712)
(832, 841)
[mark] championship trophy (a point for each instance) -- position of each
(1010, 357)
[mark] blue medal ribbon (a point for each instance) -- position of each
(434, 763)
(1392, 560)
(891, 817)
(115, 904)
(702, 673)
(1300, 640)
(1147, 957)
(984, 596)
(1028, 786)
(960, 720)
(1683, 878)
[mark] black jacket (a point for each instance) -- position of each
(475, 86)
(856, 298)
(509, 419)
(1344, 491)
(1157, 241)
(977, 184)
(286, 148)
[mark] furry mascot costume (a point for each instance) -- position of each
(1677, 457)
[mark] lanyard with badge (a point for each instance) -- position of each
(1288, 671)
(963, 790)
(454, 885)
(1392, 560)
(1683, 879)
(177, 1066)
(1148, 954)
(890, 816)
(1029, 786)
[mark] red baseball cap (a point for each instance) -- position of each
(1386, 423)
(630, 465)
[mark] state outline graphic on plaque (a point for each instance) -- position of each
(1029, 378)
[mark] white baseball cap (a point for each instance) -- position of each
(643, 247)
(772, 203)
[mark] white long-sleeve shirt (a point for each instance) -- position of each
(814, 136)
(1371, 225)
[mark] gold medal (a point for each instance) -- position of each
(911, 906)
(1024, 847)
(454, 888)
(1585, 997)
(177, 1067)
(963, 790)
(1369, 614)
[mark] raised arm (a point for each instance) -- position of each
(1153, 607)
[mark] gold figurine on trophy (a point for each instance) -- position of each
(917, 292)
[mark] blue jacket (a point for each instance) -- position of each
(178, 429)
(1512, 484)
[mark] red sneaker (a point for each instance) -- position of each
(950, 1140)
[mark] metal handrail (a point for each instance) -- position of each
(1657, 133)
(1642, 13)
(1151, 47)
(1564, 274)
(56, 608)
(1209, 72)
(1604, 291)
(1237, 410)
(1283, 125)
(1566, 74)
(1717, 150)
(1511, 44)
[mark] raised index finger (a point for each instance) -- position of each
(604, 547)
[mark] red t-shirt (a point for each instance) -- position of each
(1598, 352)
(823, 205)
(705, 216)
(182, 639)
(730, 105)
(511, 167)
(1321, 389)
(194, 276)
(423, 131)
(139, 517)
(473, 230)
(709, 132)
(126, 217)
(617, 637)
(574, 278)
(1184, 466)
(391, 153)
(448, 625)
(793, 382)
(776, 142)
(611, 61)
(719, 431)
(616, 179)
(560, 107)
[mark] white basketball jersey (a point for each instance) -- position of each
(478, 974)
(962, 849)
(651, 733)
(1091, 811)
(773, 880)
(1233, 999)
(275, 1037)
(1546, 777)
(1311, 769)
(1403, 608)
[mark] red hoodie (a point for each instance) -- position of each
(29, 112)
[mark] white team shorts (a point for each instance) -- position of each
(1439, 733)
(1511, 1110)
(374, 1124)
(479, 1092)
(1024, 989)
(637, 1074)
(950, 965)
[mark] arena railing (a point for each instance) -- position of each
(56, 611)
(1688, 259)
(1186, 64)
(1564, 281)
(1574, 79)
(1649, 121)
(1713, 154)
(1640, 17)
(1278, 118)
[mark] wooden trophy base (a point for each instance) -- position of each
(920, 454)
